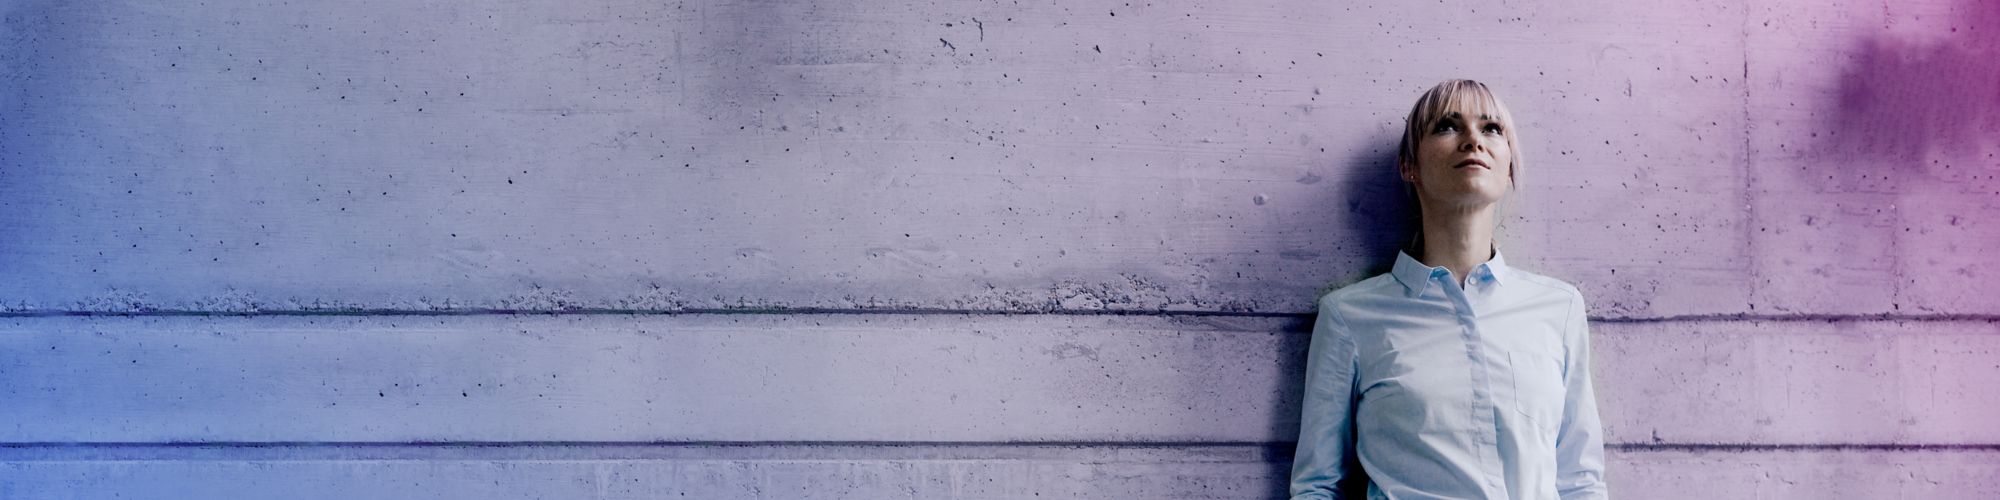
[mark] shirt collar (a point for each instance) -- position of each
(1415, 276)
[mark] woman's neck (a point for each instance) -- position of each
(1457, 240)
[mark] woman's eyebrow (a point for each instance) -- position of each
(1454, 115)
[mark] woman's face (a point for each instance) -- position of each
(1463, 162)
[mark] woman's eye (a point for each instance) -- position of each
(1443, 126)
(1493, 129)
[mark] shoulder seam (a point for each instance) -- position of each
(1355, 288)
(1545, 281)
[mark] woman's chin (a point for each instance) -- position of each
(1472, 198)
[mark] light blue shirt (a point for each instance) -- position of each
(1423, 389)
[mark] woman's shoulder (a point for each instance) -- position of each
(1374, 286)
(1547, 284)
(1385, 287)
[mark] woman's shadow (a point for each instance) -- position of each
(1378, 213)
(1374, 216)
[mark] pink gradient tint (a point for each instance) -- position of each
(1902, 100)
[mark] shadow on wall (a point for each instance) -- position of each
(1380, 215)
(1900, 101)
(1377, 218)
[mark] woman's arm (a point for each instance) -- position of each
(1325, 466)
(1580, 440)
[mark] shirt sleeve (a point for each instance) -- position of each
(1580, 440)
(1325, 465)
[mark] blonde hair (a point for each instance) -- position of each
(1434, 105)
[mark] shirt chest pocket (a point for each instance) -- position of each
(1538, 388)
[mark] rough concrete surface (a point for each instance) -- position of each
(319, 218)
(910, 472)
(919, 378)
(226, 156)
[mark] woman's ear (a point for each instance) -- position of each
(1409, 172)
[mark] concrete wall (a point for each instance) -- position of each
(870, 249)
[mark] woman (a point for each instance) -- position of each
(1453, 375)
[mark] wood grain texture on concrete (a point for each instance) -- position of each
(903, 472)
(916, 378)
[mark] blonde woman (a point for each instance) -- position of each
(1454, 375)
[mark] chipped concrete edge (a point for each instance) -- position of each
(1133, 295)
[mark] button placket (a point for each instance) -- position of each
(1485, 404)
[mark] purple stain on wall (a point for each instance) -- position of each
(1903, 99)
(1896, 166)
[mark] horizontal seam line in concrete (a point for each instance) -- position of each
(1979, 447)
(1829, 318)
(1087, 452)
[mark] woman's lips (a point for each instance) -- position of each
(1481, 164)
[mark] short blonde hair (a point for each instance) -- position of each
(1433, 106)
